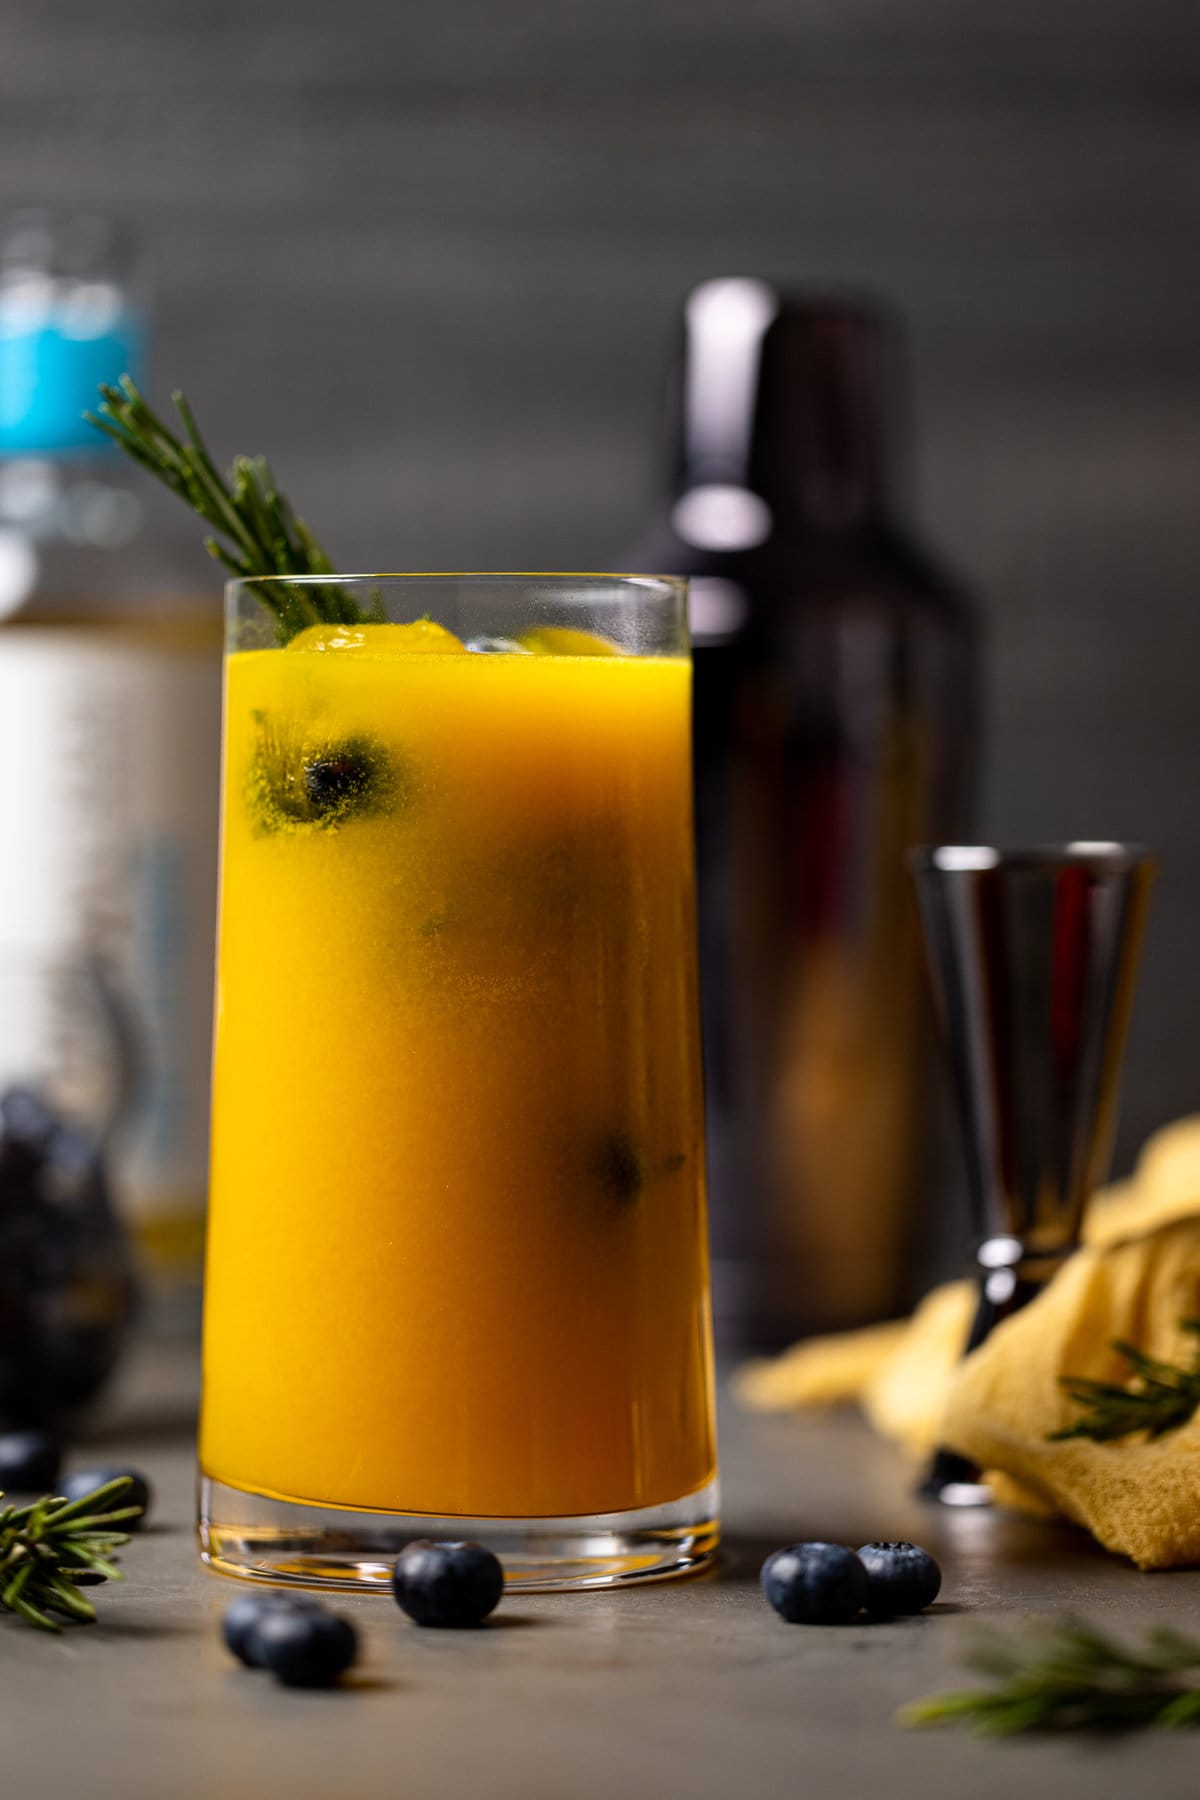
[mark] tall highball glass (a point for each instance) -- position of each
(457, 1277)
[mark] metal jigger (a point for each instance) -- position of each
(1033, 955)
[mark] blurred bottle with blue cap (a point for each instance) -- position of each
(73, 314)
(834, 728)
(109, 709)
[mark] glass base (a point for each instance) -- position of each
(261, 1539)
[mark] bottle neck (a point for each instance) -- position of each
(818, 451)
(780, 416)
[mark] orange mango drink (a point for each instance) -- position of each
(457, 1257)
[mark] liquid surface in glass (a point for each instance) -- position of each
(457, 1258)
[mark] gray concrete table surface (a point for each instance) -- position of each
(683, 1688)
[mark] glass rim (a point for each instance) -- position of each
(643, 615)
(979, 859)
(676, 582)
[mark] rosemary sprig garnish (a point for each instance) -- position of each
(51, 1547)
(1160, 1397)
(1066, 1676)
(258, 531)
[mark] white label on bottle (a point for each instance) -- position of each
(109, 775)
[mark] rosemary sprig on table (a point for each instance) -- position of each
(1065, 1676)
(258, 531)
(50, 1547)
(1160, 1397)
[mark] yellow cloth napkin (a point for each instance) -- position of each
(1137, 1277)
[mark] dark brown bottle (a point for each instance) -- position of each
(834, 714)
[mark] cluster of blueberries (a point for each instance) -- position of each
(66, 1284)
(31, 1463)
(826, 1584)
(459, 1584)
(452, 1584)
(447, 1584)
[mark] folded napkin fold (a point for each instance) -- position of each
(1136, 1278)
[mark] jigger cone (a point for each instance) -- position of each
(1033, 955)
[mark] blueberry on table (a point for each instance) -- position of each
(304, 1646)
(901, 1578)
(29, 1461)
(243, 1616)
(138, 1493)
(815, 1584)
(447, 1583)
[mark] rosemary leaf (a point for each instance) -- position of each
(78, 1509)
(1159, 1396)
(67, 1598)
(34, 1616)
(49, 1545)
(1066, 1676)
(255, 530)
(1180, 1712)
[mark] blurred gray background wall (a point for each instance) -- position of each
(429, 256)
